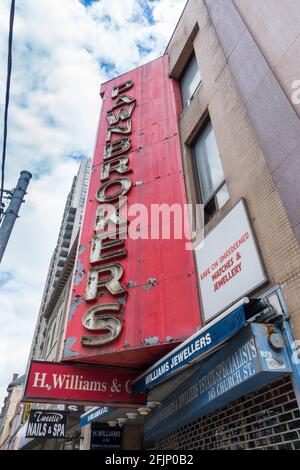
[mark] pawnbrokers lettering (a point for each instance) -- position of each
(108, 244)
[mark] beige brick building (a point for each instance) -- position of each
(248, 171)
(237, 67)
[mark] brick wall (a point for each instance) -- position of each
(246, 171)
(267, 419)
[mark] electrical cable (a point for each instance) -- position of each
(8, 79)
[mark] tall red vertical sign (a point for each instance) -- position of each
(134, 292)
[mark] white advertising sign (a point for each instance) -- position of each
(229, 264)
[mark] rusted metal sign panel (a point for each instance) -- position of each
(135, 297)
(51, 382)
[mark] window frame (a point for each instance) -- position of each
(186, 105)
(197, 181)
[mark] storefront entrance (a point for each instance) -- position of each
(266, 419)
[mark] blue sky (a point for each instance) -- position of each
(63, 50)
(146, 5)
(5, 277)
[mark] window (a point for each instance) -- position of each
(210, 175)
(189, 81)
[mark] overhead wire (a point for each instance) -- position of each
(7, 95)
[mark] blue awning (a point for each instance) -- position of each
(94, 414)
(246, 363)
(198, 346)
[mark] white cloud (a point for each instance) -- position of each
(62, 52)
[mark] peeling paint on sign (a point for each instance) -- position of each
(81, 249)
(122, 300)
(151, 283)
(74, 304)
(131, 284)
(69, 343)
(79, 273)
(151, 341)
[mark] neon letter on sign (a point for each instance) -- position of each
(109, 245)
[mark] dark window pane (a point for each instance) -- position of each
(190, 80)
(208, 162)
(209, 211)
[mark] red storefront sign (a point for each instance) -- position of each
(133, 298)
(49, 382)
